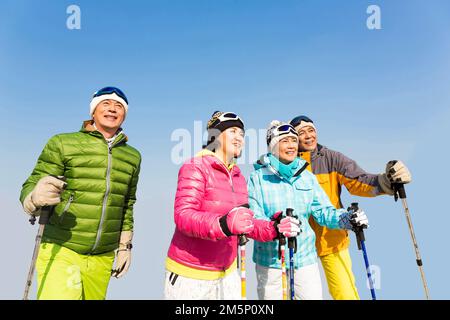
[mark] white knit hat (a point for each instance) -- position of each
(273, 136)
(113, 96)
(305, 124)
(301, 122)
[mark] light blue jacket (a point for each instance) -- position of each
(269, 192)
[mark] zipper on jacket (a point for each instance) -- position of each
(105, 199)
(66, 207)
(229, 176)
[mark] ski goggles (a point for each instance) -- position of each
(284, 129)
(226, 116)
(110, 90)
(297, 120)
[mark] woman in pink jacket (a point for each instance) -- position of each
(201, 262)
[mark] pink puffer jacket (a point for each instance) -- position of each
(206, 191)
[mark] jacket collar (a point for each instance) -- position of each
(317, 152)
(88, 127)
(264, 162)
(218, 164)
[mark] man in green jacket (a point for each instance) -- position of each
(90, 177)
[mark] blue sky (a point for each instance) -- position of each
(375, 95)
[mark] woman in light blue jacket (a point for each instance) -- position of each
(281, 181)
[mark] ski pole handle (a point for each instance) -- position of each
(292, 242)
(359, 231)
(354, 206)
(44, 216)
(281, 237)
(32, 219)
(399, 188)
(46, 211)
(399, 191)
(289, 212)
(242, 237)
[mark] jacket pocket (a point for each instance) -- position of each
(304, 194)
(66, 208)
(303, 188)
(323, 179)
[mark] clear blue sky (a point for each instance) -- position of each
(375, 95)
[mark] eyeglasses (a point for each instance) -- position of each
(109, 90)
(297, 120)
(227, 116)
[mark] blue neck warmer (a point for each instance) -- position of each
(285, 170)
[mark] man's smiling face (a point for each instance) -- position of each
(109, 115)
(307, 139)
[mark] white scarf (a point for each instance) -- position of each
(110, 141)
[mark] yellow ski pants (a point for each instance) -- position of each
(63, 274)
(338, 271)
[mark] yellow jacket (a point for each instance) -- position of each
(333, 170)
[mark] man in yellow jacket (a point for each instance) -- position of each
(333, 170)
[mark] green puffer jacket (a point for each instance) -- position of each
(97, 203)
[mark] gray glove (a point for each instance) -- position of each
(350, 220)
(396, 172)
(46, 193)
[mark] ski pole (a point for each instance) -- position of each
(360, 239)
(292, 245)
(399, 191)
(281, 255)
(242, 241)
(43, 220)
(282, 250)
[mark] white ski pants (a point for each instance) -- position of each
(307, 283)
(177, 287)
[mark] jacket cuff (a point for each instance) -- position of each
(385, 184)
(224, 226)
(276, 234)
